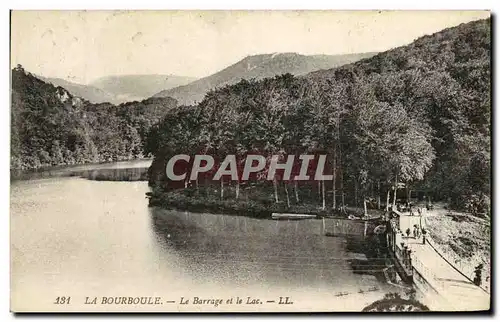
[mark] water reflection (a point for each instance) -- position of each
(244, 251)
(118, 171)
(100, 237)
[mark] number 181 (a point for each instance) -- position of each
(62, 300)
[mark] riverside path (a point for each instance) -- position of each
(451, 290)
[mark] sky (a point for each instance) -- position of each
(82, 46)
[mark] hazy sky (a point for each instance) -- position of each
(84, 45)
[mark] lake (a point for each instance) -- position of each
(71, 236)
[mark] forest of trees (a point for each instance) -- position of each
(418, 114)
(50, 127)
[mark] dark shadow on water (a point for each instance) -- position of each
(238, 250)
(111, 174)
(373, 256)
(180, 234)
(127, 174)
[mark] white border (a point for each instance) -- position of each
(187, 4)
(257, 4)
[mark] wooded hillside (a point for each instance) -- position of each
(51, 127)
(418, 114)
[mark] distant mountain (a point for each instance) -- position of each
(87, 92)
(258, 66)
(138, 87)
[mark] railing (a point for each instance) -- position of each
(426, 273)
(464, 268)
(403, 256)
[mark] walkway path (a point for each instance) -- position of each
(457, 290)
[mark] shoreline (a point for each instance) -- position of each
(179, 200)
(103, 171)
(243, 208)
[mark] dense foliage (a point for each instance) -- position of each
(418, 114)
(51, 127)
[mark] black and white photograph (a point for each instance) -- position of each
(256, 161)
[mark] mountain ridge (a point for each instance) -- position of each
(90, 93)
(423, 52)
(138, 87)
(258, 66)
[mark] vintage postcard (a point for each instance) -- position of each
(250, 161)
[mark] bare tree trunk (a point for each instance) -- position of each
(296, 188)
(387, 202)
(287, 196)
(378, 194)
(323, 194)
(237, 189)
(334, 190)
(275, 185)
(341, 172)
(366, 209)
(338, 150)
(186, 183)
(197, 187)
(221, 189)
(355, 193)
(319, 189)
(395, 193)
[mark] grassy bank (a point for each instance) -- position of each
(462, 238)
(202, 202)
(256, 201)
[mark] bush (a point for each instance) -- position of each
(477, 204)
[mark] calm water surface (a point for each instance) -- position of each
(71, 236)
